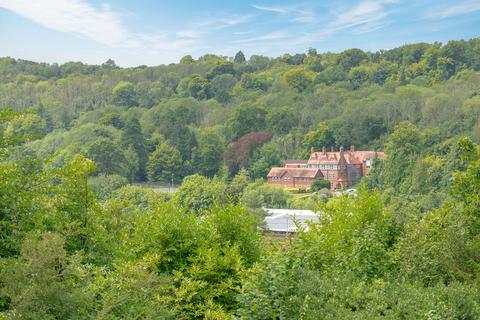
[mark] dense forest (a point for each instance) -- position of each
(85, 236)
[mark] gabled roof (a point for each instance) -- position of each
(351, 157)
(286, 220)
(295, 172)
(296, 161)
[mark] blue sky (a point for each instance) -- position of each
(155, 32)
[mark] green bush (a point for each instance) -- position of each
(319, 184)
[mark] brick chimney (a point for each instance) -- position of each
(341, 156)
(352, 148)
(324, 150)
(331, 149)
(312, 150)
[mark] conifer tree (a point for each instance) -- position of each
(133, 136)
(239, 57)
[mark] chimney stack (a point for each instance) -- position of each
(324, 150)
(341, 148)
(312, 150)
(331, 149)
(352, 148)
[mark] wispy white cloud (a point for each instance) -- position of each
(190, 34)
(227, 20)
(367, 15)
(164, 43)
(370, 27)
(239, 33)
(102, 25)
(455, 10)
(236, 19)
(277, 35)
(304, 16)
(75, 16)
(294, 13)
(281, 10)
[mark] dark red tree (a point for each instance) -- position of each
(239, 152)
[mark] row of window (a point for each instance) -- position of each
(278, 178)
(327, 166)
(288, 178)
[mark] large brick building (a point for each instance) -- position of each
(341, 168)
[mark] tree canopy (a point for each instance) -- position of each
(89, 231)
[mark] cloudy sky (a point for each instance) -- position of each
(155, 32)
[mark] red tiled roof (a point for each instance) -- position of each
(362, 155)
(355, 157)
(296, 172)
(296, 161)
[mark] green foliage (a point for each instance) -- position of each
(354, 234)
(238, 184)
(314, 63)
(32, 196)
(220, 68)
(133, 137)
(319, 184)
(112, 119)
(198, 87)
(164, 162)
(438, 250)
(124, 94)
(222, 87)
(260, 194)
(103, 185)
(78, 242)
(46, 283)
(199, 194)
(121, 297)
(429, 85)
(25, 127)
(317, 139)
(107, 155)
(239, 57)
(358, 76)
(403, 149)
(351, 58)
(187, 59)
(246, 118)
(282, 120)
(268, 287)
(207, 158)
(263, 160)
(298, 79)
(255, 82)
(466, 184)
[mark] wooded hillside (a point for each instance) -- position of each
(78, 240)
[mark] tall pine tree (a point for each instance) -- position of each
(239, 57)
(133, 136)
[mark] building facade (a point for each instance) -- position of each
(342, 168)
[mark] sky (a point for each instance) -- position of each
(149, 32)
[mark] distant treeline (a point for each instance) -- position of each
(79, 241)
